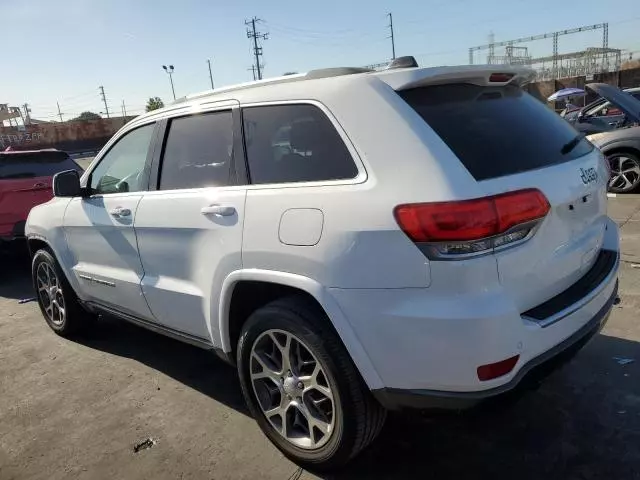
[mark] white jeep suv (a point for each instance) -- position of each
(353, 241)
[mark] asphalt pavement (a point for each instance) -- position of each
(80, 409)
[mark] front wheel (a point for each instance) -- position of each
(625, 172)
(302, 387)
(57, 300)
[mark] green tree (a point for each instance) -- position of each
(154, 103)
(84, 116)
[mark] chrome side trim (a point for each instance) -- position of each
(580, 303)
(96, 280)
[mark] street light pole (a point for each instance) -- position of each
(210, 74)
(169, 70)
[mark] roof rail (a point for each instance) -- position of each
(335, 72)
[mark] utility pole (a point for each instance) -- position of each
(210, 74)
(124, 109)
(393, 42)
(257, 49)
(253, 70)
(104, 99)
(59, 112)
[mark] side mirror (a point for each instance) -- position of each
(67, 184)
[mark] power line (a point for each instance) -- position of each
(257, 49)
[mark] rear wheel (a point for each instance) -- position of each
(625, 172)
(57, 300)
(302, 387)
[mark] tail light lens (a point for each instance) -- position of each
(500, 77)
(472, 227)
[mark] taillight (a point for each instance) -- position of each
(500, 77)
(480, 225)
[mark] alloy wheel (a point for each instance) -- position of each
(292, 389)
(50, 294)
(625, 172)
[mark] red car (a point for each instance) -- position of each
(25, 181)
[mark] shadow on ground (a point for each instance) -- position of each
(15, 272)
(583, 422)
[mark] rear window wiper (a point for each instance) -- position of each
(571, 144)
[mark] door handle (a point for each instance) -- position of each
(39, 185)
(220, 210)
(120, 212)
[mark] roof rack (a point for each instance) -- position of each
(400, 62)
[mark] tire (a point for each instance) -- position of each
(58, 303)
(356, 417)
(625, 172)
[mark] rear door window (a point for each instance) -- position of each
(294, 143)
(495, 131)
(198, 152)
(34, 164)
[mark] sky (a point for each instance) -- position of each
(64, 50)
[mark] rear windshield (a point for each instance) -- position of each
(34, 164)
(495, 131)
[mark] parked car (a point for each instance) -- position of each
(599, 116)
(25, 181)
(352, 241)
(621, 146)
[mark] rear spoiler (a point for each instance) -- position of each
(497, 75)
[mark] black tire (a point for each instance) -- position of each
(358, 416)
(76, 318)
(619, 182)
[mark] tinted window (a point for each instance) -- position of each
(198, 152)
(35, 164)
(122, 169)
(495, 131)
(294, 143)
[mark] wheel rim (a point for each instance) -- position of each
(50, 294)
(625, 172)
(292, 389)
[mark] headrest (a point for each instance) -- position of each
(305, 136)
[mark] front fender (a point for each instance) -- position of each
(44, 223)
(322, 296)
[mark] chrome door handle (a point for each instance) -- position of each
(221, 210)
(120, 212)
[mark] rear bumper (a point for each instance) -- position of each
(535, 369)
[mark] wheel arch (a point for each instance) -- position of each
(628, 146)
(37, 242)
(282, 283)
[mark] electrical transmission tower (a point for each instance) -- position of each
(257, 49)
